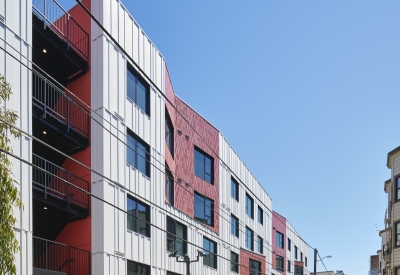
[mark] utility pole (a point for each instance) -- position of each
(315, 261)
(187, 260)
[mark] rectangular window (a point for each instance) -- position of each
(234, 262)
(254, 267)
(288, 266)
(279, 263)
(279, 239)
(249, 206)
(305, 261)
(139, 220)
(135, 268)
(169, 185)
(295, 252)
(138, 153)
(289, 244)
(138, 90)
(169, 133)
(210, 251)
(203, 209)
(178, 237)
(398, 188)
(249, 239)
(234, 189)
(298, 270)
(260, 245)
(260, 215)
(203, 166)
(234, 226)
(397, 233)
(301, 256)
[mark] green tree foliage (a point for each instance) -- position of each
(9, 194)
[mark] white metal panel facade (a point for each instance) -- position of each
(301, 246)
(15, 43)
(248, 184)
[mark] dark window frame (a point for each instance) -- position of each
(204, 172)
(173, 238)
(169, 133)
(234, 189)
(136, 266)
(260, 244)
(234, 226)
(133, 156)
(280, 267)
(254, 267)
(397, 188)
(249, 208)
(234, 262)
(295, 252)
(198, 197)
(260, 215)
(288, 268)
(249, 237)
(210, 255)
(134, 95)
(301, 256)
(169, 185)
(289, 244)
(280, 240)
(397, 234)
(305, 258)
(298, 270)
(136, 216)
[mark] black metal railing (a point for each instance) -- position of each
(56, 103)
(51, 184)
(60, 21)
(60, 257)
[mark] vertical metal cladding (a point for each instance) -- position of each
(16, 39)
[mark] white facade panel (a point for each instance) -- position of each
(301, 246)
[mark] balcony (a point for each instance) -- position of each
(388, 218)
(57, 36)
(52, 258)
(58, 119)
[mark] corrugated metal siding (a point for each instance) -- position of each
(396, 166)
(16, 31)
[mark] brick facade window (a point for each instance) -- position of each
(254, 267)
(203, 209)
(203, 166)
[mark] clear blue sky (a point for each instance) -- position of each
(306, 92)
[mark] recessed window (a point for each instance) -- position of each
(305, 262)
(260, 245)
(279, 239)
(249, 239)
(138, 153)
(176, 240)
(298, 270)
(203, 166)
(254, 267)
(249, 206)
(295, 252)
(234, 226)
(301, 256)
(169, 133)
(398, 188)
(137, 268)
(169, 186)
(289, 244)
(203, 209)
(260, 215)
(139, 220)
(234, 262)
(398, 234)
(279, 263)
(289, 267)
(138, 90)
(234, 189)
(210, 251)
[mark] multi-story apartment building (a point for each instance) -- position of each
(123, 172)
(389, 253)
(290, 252)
